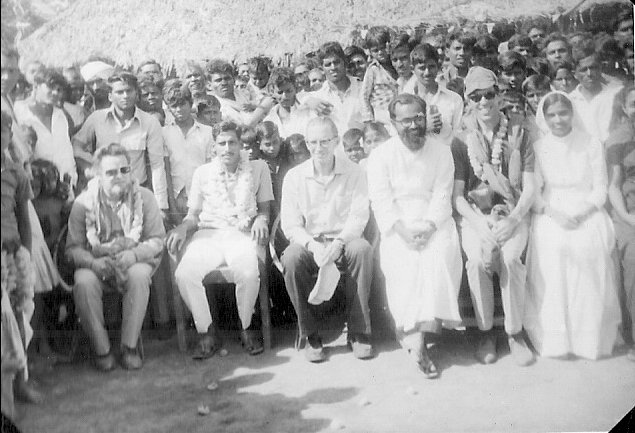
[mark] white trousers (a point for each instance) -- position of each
(512, 274)
(208, 250)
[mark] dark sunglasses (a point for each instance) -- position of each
(115, 171)
(477, 96)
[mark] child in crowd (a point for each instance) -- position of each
(380, 81)
(249, 140)
(297, 152)
(270, 145)
(316, 79)
(352, 145)
(512, 70)
(400, 49)
(207, 110)
(18, 277)
(374, 134)
(534, 88)
(357, 62)
(563, 78)
(258, 76)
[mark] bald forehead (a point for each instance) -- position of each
(320, 125)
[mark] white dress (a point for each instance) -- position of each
(421, 285)
(572, 305)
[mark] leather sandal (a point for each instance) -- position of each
(206, 348)
(251, 342)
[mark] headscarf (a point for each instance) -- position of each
(577, 124)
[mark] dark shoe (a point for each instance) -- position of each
(105, 362)
(130, 358)
(426, 365)
(250, 341)
(207, 347)
(314, 351)
(360, 345)
(522, 355)
(486, 351)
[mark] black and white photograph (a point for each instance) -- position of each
(317, 216)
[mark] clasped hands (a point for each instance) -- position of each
(326, 254)
(416, 237)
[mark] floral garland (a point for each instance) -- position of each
(478, 157)
(240, 211)
(132, 210)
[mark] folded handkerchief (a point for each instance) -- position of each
(328, 277)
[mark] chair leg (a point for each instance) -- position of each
(265, 314)
(178, 310)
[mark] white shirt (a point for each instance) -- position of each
(596, 113)
(449, 103)
(289, 123)
(410, 186)
(346, 111)
(54, 145)
(186, 153)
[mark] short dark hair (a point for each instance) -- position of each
(148, 62)
(207, 101)
(266, 129)
(176, 93)
(150, 81)
(113, 149)
(352, 135)
(331, 49)
(486, 44)
(377, 36)
(519, 40)
(509, 59)
(219, 66)
(259, 65)
(281, 76)
(464, 38)
(536, 82)
(226, 126)
(352, 51)
(560, 65)
(553, 37)
(50, 77)
(422, 52)
(376, 127)
(121, 76)
(405, 99)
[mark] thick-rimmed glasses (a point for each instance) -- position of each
(418, 120)
(115, 171)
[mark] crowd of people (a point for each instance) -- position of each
(402, 164)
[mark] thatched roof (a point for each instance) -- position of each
(173, 31)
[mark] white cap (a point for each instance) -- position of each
(97, 69)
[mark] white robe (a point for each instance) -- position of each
(421, 285)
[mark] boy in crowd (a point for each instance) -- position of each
(207, 110)
(352, 145)
(512, 69)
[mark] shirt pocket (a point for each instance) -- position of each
(134, 141)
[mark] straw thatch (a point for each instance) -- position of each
(173, 31)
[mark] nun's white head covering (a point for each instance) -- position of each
(577, 124)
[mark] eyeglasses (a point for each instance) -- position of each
(478, 95)
(419, 119)
(115, 171)
(322, 143)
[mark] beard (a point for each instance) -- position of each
(413, 138)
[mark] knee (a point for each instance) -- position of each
(86, 281)
(293, 255)
(139, 276)
(358, 248)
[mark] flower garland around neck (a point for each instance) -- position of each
(131, 213)
(478, 157)
(240, 211)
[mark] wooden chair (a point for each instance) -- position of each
(223, 275)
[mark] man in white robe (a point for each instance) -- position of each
(410, 181)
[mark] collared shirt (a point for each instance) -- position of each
(289, 122)
(410, 186)
(449, 104)
(595, 113)
(203, 201)
(52, 144)
(346, 111)
(186, 152)
(333, 207)
(378, 89)
(139, 135)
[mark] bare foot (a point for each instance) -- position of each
(26, 392)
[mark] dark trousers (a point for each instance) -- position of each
(300, 274)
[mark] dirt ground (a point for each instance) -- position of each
(279, 391)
